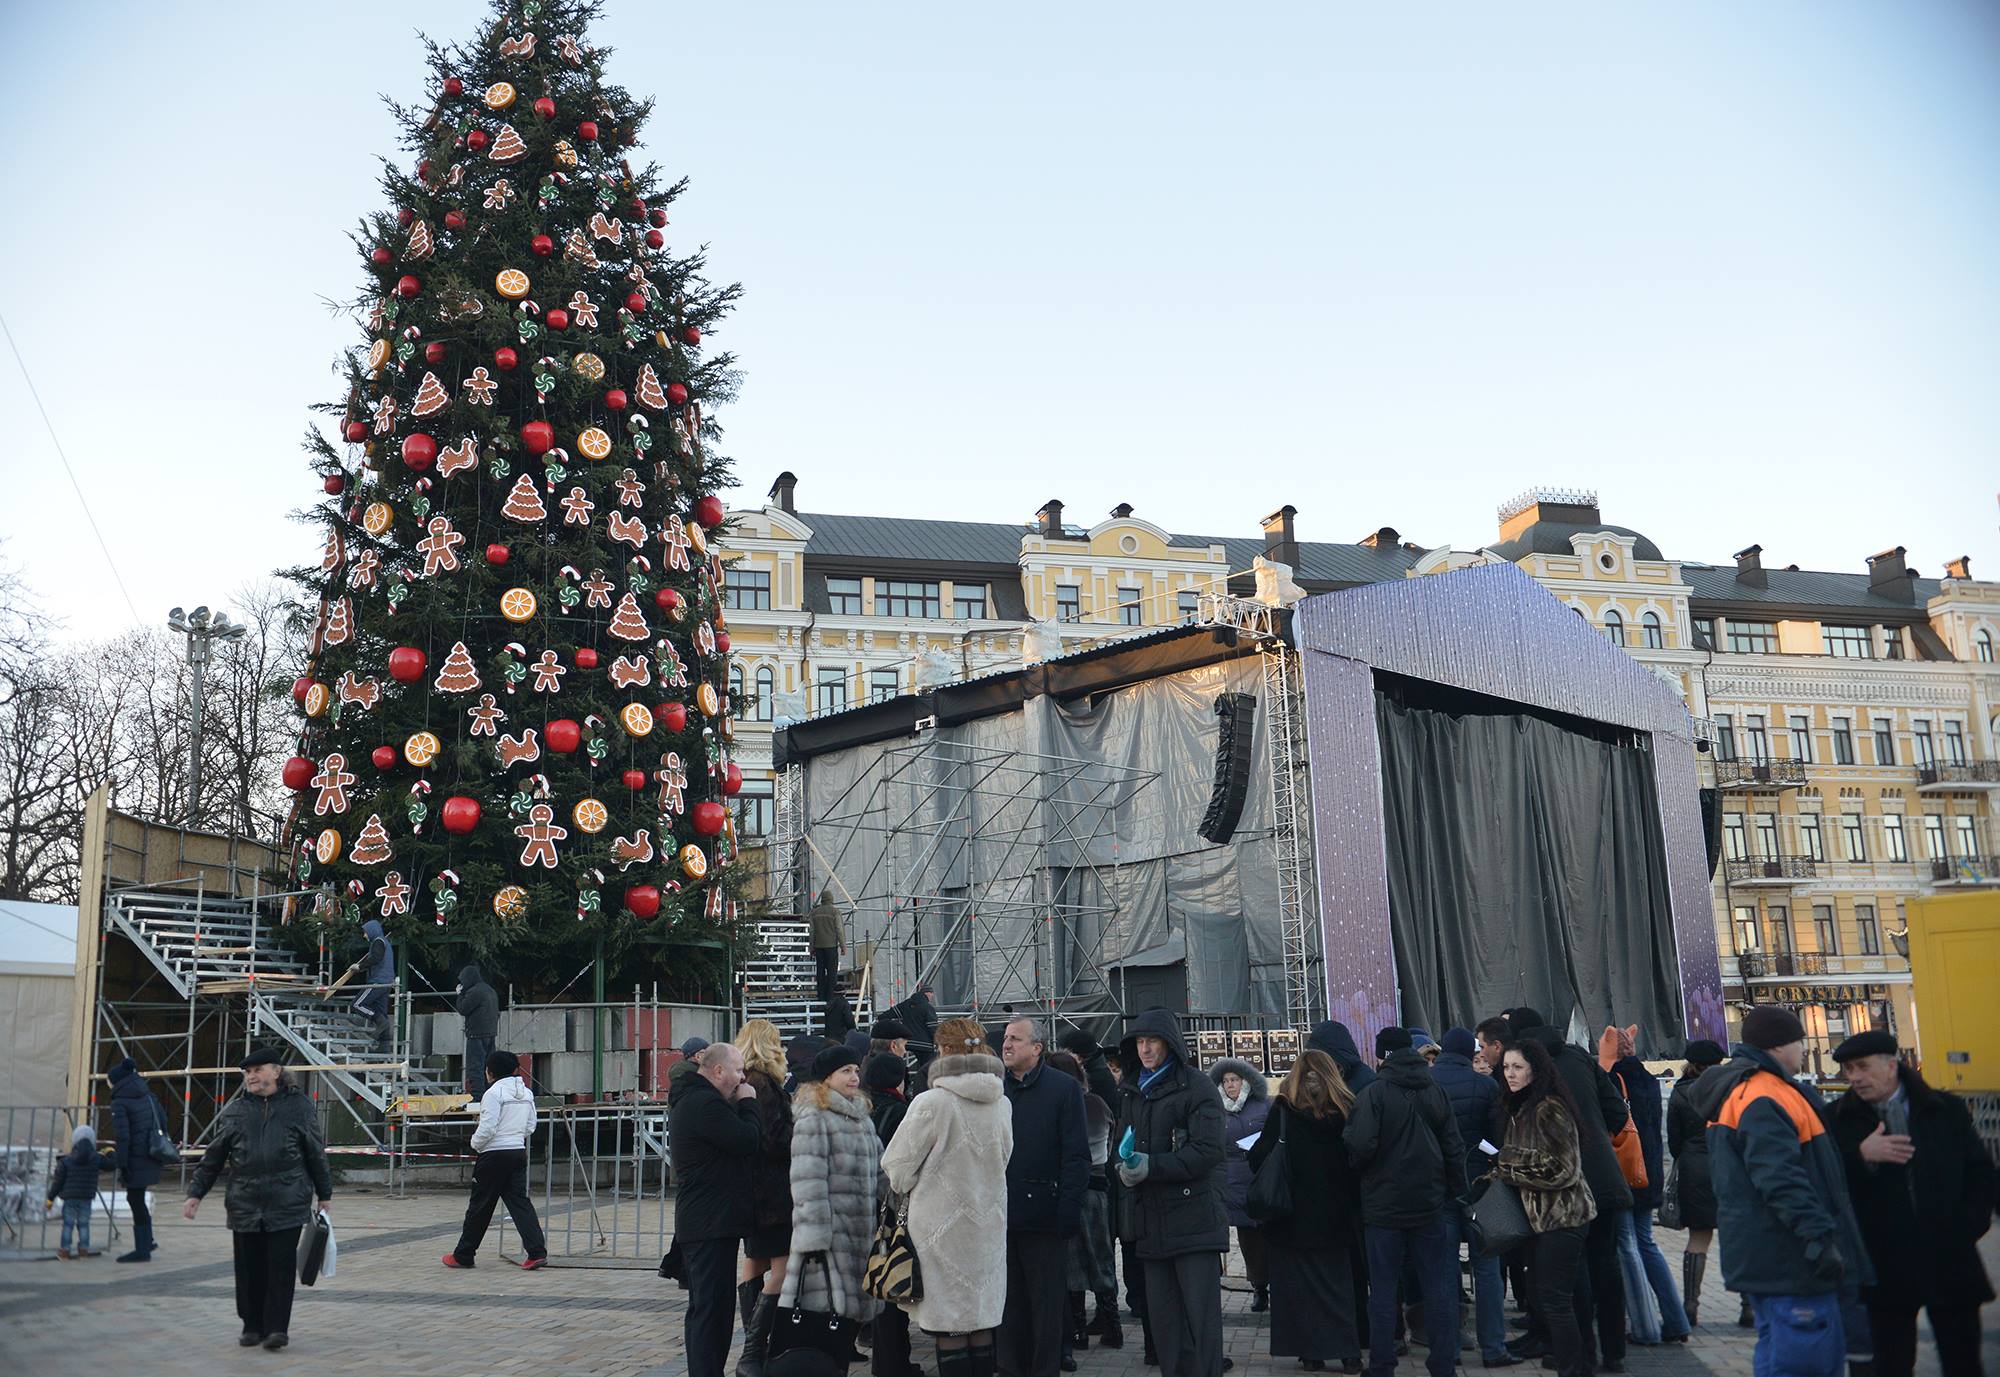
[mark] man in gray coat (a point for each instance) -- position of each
(480, 1008)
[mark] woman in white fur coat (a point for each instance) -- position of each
(950, 1159)
(836, 1159)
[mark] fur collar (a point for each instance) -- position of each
(975, 1076)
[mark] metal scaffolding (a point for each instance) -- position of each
(1291, 836)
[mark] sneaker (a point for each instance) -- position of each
(62, 1255)
(274, 1342)
(534, 1264)
(451, 1260)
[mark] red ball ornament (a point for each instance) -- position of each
(721, 642)
(708, 817)
(659, 218)
(635, 780)
(587, 131)
(406, 664)
(667, 600)
(298, 772)
(408, 286)
(546, 108)
(335, 484)
(542, 245)
(433, 352)
(357, 431)
(459, 814)
(385, 757)
(538, 437)
(419, 450)
(638, 206)
(655, 240)
(453, 220)
(635, 303)
(406, 217)
(691, 334)
(564, 736)
(643, 900)
(708, 511)
(453, 86)
(672, 716)
(497, 553)
(424, 170)
(732, 779)
(504, 359)
(615, 399)
(586, 658)
(557, 318)
(301, 686)
(677, 394)
(476, 141)
(380, 257)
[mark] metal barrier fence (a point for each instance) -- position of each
(604, 1193)
(32, 1138)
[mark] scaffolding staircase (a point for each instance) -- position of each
(781, 984)
(204, 946)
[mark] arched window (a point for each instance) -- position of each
(1614, 628)
(735, 684)
(766, 691)
(1983, 646)
(1655, 638)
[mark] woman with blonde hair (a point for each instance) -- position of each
(836, 1157)
(1311, 1249)
(949, 1160)
(770, 1238)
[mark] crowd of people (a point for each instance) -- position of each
(1028, 1176)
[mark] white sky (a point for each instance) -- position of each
(1733, 266)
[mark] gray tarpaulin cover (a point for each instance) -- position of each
(1148, 867)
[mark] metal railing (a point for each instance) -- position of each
(604, 1196)
(1759, 772)
(1752, 869)
(1966, 870)
(32, 1139)
(1971, 772)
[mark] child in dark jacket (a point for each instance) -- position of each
(75, 1184)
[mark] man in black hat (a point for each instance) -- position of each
(1789, 1238)
(1923, 1190)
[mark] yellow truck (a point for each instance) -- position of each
(1955, 974)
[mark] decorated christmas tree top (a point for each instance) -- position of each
(513, 714)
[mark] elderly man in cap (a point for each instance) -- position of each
(1789, 1238)
(1923, 1190)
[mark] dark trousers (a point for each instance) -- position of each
(890, 1356)
(826, 969)
(1031, 1327)
(1184, 1313)
(1437, 1280)
(500, 1175)
(1600, 1290)
(1256, 1256)
(1955, 1327)
(709, 1271)
(1555, 1259)
(267, 1272)
(477, 1050)
(142, 1219)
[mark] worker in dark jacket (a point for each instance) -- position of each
(1475, 1101)
(480, 1008)
(1789, 1237)
(1046, 1177)
(1404, 1139)
(1600, 1282)
(713, 1136)
(135, 1115)
(1923, 1193)
(826, 937)
(269, 1139)
(1174, 1178)
(376, 970)
(1331, 1037)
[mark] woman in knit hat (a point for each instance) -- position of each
(836, 1157)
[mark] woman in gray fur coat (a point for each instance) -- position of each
(836, 1160)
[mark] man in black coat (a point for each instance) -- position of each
(480, 1008)
(1046, 1178)
(1404, 1139)
(1103, 1083)
(1923, 1192)
(713, 1136)
(1475, 1103)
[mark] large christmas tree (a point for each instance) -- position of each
(515, 730)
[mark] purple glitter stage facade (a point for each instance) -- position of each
(1491, 630)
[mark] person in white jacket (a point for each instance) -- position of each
(506, 1121)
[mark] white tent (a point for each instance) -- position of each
(37, 990)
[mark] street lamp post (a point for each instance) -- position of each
(201, 630)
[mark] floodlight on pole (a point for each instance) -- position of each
(201, 629)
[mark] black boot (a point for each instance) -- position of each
(746, 1299)
(985, 1360)
(1744, 1318)
(955, 1362)
(1693, 1266)
(1109, 1333)
(1260, 1299)
(1079, 1319)
(757, 1338)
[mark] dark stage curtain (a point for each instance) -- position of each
(1526, 865)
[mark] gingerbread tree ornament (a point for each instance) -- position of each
(524, 502)
(651, 394)
(372, 846)
(457, 675)
(628, 623)
(421, 242)
(431, 397)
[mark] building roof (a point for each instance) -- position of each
(37, 939)
(1553, 538)
(1325, 562)
(1803, 588)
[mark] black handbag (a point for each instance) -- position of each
(1499, 1223)
(824, 1330)
(1670, 1215)
(1270, 1195)
(312, 1253)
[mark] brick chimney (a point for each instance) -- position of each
(1121, 511)
(1960, 568)
(1384, 539)
(1750, 567)
(1049, 519)
(782, 492)
(1889, 577)
(1281, 541)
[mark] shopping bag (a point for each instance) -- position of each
(316, 1250)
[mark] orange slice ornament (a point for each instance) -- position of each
(500, 95)
(588, 367)
(594, 444)
(511, 283)
(637, 719)
(327, 848)
(708, 700)
(317, 698)
(511, 903)
(694, 863)
(422, 748)
(378, 354)
(378, 518)
(590, 815)
(517, 604)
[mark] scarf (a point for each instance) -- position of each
(1146, 1078)
(1234, 1105)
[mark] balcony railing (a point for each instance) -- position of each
(1973, 774)
(1770, 870)
(1752, 965)
(1759, 772)
(1966, 870)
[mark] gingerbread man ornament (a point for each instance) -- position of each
(440, 547)
(542, 834)
(332, 782)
